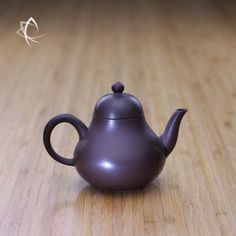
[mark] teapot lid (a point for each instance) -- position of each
(118, 105)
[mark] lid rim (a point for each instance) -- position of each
(120, 118)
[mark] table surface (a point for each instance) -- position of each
(170, 54)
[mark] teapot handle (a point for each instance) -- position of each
(68, 118)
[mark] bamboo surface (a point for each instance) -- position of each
(169, 54)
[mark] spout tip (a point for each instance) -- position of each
(182, 110)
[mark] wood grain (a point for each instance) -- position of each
(169, 54)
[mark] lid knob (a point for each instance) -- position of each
(118, 87)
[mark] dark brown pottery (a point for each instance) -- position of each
(118, 151)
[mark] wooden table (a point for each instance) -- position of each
(169, 54)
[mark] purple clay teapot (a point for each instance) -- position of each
(118, 151)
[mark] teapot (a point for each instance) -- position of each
(119, 151)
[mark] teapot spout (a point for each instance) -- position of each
(170, 135)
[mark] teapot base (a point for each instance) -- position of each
(129, 189)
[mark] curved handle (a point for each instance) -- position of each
(78, 124)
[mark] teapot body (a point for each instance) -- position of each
(118, 151)
(120, 154)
